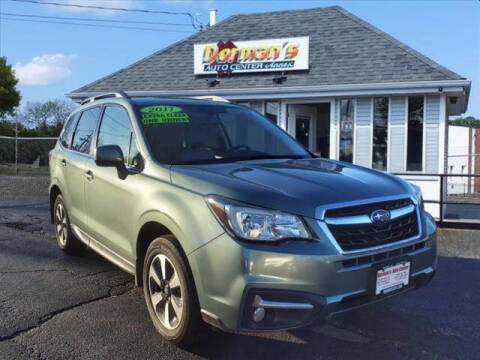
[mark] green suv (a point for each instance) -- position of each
(226, 220)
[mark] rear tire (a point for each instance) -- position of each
(170, 293)
(66, 240)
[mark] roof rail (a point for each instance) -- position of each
(118, 94)
(211, 98)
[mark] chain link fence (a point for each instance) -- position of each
(25, 155)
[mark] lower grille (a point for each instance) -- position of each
(370, 259)
(366, 235)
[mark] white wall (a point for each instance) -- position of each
(458, 141)
(430, 186)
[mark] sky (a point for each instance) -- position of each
(53, 59)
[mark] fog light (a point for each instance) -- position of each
(258, 314)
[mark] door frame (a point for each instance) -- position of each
(284, 122)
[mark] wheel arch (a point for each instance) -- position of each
(153, 225)
(54, 192)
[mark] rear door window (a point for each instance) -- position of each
(85, 130)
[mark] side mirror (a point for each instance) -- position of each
(110, 155)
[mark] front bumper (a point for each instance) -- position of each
(233, 277)
(292, 309)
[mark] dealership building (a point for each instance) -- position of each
(342, 87)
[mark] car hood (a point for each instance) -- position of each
(294, 186)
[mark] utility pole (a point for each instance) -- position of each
(16, 144)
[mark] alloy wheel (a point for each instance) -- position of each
(165, 291)
(61, 224)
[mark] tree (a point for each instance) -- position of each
(7, 128)
(47, 117)
(469, 121)
(9, 95)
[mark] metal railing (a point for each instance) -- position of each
(456, 209)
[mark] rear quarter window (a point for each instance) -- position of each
(66, 137)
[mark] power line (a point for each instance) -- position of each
(92, 19)
(96, 25)
(192, 18)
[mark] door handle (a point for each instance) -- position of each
(89, 175)
(63, 162)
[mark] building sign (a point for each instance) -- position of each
(225, 58)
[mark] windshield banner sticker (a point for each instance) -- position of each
(163, 114)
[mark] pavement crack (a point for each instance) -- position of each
(33, 271)
(97, 273)
(22, 206)
(44, 319)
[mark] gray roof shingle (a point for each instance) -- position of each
(343, 50)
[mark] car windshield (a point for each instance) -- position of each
(197, 134)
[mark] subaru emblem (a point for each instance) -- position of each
(380, 217)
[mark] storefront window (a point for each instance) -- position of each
(380, 133)
(346, 130)
(415, 133)
(271, 111)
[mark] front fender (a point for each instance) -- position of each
(189, 219)
(164, 220)
(184, 213)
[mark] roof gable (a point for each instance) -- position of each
(343, 50)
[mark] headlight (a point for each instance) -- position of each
(417, 193)
(253, 223)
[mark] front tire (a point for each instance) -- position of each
(66, 240)
(170, 292)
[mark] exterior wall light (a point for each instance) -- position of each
(212, 82)
(278, 79)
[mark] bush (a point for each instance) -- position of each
(28, 151)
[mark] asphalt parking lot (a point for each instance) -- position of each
(53, 306)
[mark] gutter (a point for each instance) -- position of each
(412, 87)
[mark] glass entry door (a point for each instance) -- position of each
(302, 130)
(302, 123)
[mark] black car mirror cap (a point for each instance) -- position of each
(109, 155)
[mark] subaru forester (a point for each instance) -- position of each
(227, 221)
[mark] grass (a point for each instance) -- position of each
(23, 170)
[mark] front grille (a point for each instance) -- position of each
(367, 209)
(361, 236)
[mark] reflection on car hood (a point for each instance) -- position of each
(295, 186)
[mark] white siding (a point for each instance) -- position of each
(432, 121)
(397, 134)
(336, 129)
(363, 131)
(256, 105)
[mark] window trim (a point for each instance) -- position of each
(389, 134)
